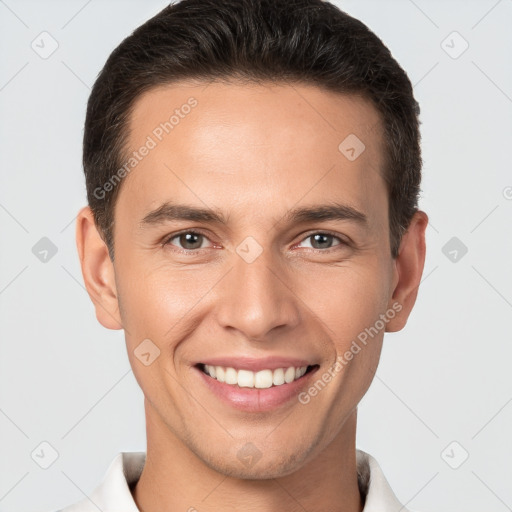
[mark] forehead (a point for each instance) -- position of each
(219, 143)
(301, 109)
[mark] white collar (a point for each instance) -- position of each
(113, 493)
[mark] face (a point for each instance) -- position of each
(247, 238)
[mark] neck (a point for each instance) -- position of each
(174, 478)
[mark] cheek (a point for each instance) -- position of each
(159, 302)
(347, 299)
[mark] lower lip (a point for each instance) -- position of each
(253, 399)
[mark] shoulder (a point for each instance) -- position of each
(113, 492)
(373, 485)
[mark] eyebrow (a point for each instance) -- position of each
(169, 211)
(331, 211)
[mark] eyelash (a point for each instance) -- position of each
(167, 241)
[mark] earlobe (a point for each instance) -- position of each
(97, 270)
(409, 268)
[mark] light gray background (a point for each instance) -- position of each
(67, 381)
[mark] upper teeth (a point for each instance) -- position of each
(261, 380)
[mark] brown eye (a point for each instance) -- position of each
(188, 240)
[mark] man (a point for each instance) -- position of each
(253, 171)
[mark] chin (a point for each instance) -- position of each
(262, 466)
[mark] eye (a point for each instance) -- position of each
(322, 240)
(189, 240)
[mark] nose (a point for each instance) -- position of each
(257, 298)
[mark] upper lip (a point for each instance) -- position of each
(257, 364)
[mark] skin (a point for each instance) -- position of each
(252, 152)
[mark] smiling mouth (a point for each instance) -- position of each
(262, 379)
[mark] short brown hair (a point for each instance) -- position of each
(309, 41)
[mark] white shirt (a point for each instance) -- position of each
(113, 493)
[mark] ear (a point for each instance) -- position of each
(97, 270)
(408, 271)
